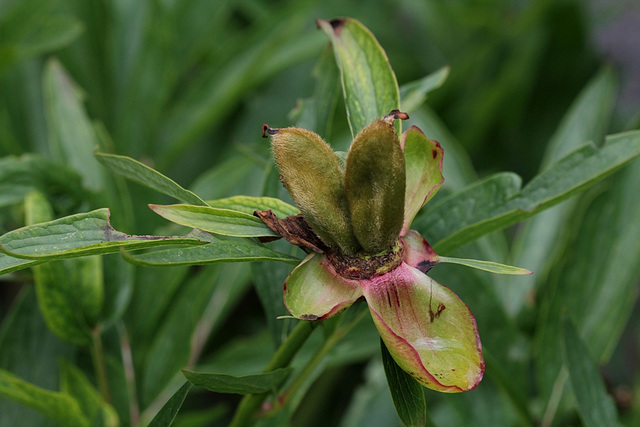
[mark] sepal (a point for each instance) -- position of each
(428, 330)
(423, 158)
(314, 291)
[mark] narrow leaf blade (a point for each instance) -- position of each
(413, 94)
(169, 411)
(74, 236)
(490, 266)
(595, 406)
(221, 383)
(465, 216)
(221, 251)
(369, 85)
(143, 174)
(407, 394)
(58, 407)
(218, 221)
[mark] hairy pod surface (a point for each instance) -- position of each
(312, 175)
(375, 186)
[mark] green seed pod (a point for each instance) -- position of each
(312, 175)
(375, 184)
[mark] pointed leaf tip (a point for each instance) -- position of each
(490, 266)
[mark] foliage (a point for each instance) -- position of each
(102, 101)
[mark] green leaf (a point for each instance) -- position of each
(29, 30)
(495, 203)
(407, 393)
(199, 306)
(248, 384)
(540, 242)
(248, 205)
(169, 411)
(72, 135)
(596, 408)
(26, 343)
(214, 96)
(599, 272)
(490, 266)
(369, 85)
(413, 94)
(218, 221)
(143, 174)
(70, 292)
(316, 113)
(220, 251)
(74, 382)
(58, 407)
(20, 175)
(74, 236)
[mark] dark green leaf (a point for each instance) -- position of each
(31, 29)
(220, 251)
(596, 407)
(368, 82)
(316, 113)
(70, 292)
(58, 407)
(269, 50)
(167, 414)
(248, 384)
(200, 305)
(539, 242)
(494, 204)
(143, 174)
(73, 138)
(407, 394)
(30, 351)
(74, 236)
(413, 94)
(248, 205)
(74, 382)
(19, 175)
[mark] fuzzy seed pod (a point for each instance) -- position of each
(375, 184)
(313, 177)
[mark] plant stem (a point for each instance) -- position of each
(97, 353)
(251, 402)
(330, 342)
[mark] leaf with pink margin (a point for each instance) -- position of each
(423, 159)
(418, 253)
(428, 330)
(314, 291)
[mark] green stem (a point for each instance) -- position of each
(251, 402)
(97, 354)
(328, 345)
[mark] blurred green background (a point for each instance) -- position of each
(185, 86)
